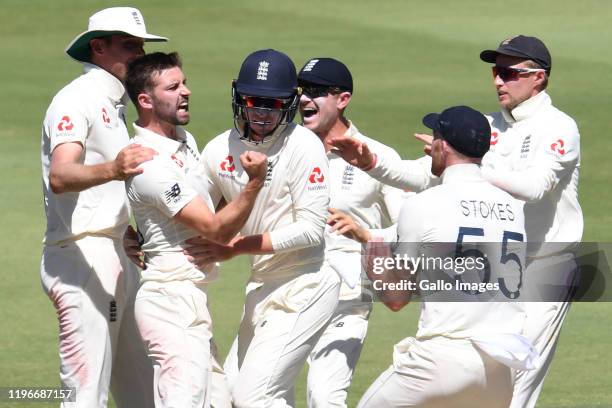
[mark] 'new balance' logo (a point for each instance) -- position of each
(173, 193)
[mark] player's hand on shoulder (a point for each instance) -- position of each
(131, 246)
(427, 141)
(344, 224)
(129, 158)
(255, 164)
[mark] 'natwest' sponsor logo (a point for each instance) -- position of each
(494, 138)
(316, 176)
(228, 164)
(558, 147)
(65, 124)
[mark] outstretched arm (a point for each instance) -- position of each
(412, 175)
(68, 174)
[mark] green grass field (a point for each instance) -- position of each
(408, 58)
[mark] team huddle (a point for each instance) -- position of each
(303, 201)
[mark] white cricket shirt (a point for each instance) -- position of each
(370, 203)
(535, 156)
(463, 202)
(292, 204)
(89, 111)
(156, 196)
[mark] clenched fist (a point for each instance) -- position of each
(255, 164)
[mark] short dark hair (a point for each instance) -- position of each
(140, 72)
(532, 64)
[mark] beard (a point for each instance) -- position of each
(170, 113)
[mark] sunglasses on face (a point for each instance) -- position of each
(317, 91)
(512, 74)
(268, 103)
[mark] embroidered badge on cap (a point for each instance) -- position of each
(262, 71)
(507, 40)
(137, 17)
(310, 65)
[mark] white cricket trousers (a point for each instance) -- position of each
(92, 285)
(440, 373)
(176, 328)
(543, 327)
(333, 359)
(282, 322)
(220, 396)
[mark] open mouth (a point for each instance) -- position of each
(308, 112)
(184, 106)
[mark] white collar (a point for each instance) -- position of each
(528, 108)
(161, 143)
(352, 130)
(112, 86)
(461, 173)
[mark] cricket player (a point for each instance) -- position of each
(327, 88)
(535, 156)
(459, 356)
(293, 291)
(171, 304)
(85, 158)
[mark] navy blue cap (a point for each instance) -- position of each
(465, 129)
(521, 46)
(267, 73)
(328, 72)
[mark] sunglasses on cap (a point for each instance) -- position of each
(317, 91)
(260, 102)
(510, 73)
